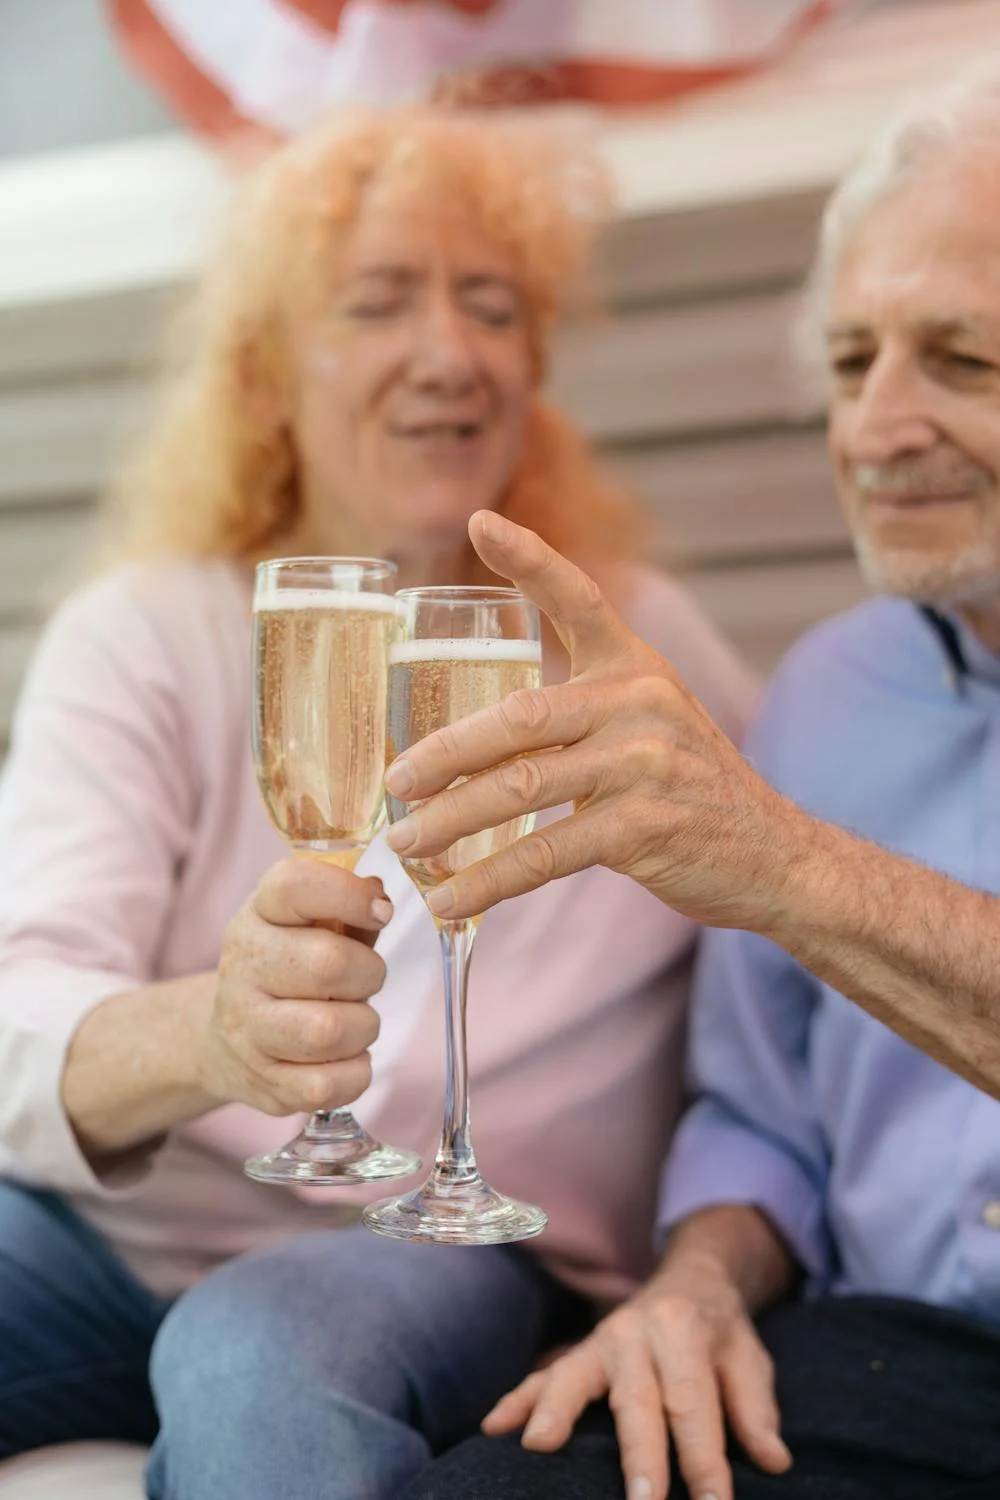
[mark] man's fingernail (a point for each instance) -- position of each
(381, 911)
(402, 834)
(399, 778)
(490, 526)
(641, 1488)
(441, 901)
(706, 1497)
(538, 1427)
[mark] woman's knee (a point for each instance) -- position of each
(213, 1333)
(253, 1371)
(283, 1308)
(371, 1319)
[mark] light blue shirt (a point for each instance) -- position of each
(880, 1167)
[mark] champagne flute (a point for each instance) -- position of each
(461, 649)
(322, 631)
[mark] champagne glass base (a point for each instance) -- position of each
(466, 1214)
(323, 1163)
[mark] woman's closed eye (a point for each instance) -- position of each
(493, 316)
(363, 308)
(492, 303)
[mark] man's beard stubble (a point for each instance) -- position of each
(968, 575)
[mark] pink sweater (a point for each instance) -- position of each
(131, 829)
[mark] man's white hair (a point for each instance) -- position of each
(963, 116)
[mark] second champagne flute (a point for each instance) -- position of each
(323, 627)
(461, 649)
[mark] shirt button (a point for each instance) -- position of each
(991, 1214)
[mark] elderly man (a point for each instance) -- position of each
(846, 1032)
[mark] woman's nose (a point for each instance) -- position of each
(443, 354)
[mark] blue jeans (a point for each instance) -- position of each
(75, 1331)
(334, 1366)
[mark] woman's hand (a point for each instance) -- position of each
(659, 792)
(675, 1362)
(289, 1026)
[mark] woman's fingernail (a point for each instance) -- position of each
(402, 834)
(441, 901)
(538, 1427)
(641, 1488)
(490, 526)
(703, 1497)
(399, 778)
(381, 911)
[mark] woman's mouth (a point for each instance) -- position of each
(438, 432)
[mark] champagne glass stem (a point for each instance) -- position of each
(333, 1125)
(455, 1163)
(455, 1206)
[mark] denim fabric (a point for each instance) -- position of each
(334, 1366)
(331, 1367)
(75, 1331)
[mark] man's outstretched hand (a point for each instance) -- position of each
(659, 793)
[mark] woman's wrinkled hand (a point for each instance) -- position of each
(659, 792)
(290, 1027)
(675, 1363)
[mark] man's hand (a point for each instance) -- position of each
(674, 1362)
(659, 792)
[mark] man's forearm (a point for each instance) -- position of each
(130, 1072)
(738, 1241)
(918, 951)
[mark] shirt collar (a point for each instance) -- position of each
(964, 652)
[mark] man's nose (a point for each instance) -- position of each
(891, 417)
(443, 355)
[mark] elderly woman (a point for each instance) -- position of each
(364, 376)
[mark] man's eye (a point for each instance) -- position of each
(850, 366)
(971, 363)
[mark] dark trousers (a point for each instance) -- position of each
(880, 1400)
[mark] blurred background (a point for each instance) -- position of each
(109, 188)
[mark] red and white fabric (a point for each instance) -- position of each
(277, 64)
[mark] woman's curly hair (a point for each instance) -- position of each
(214, 478)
